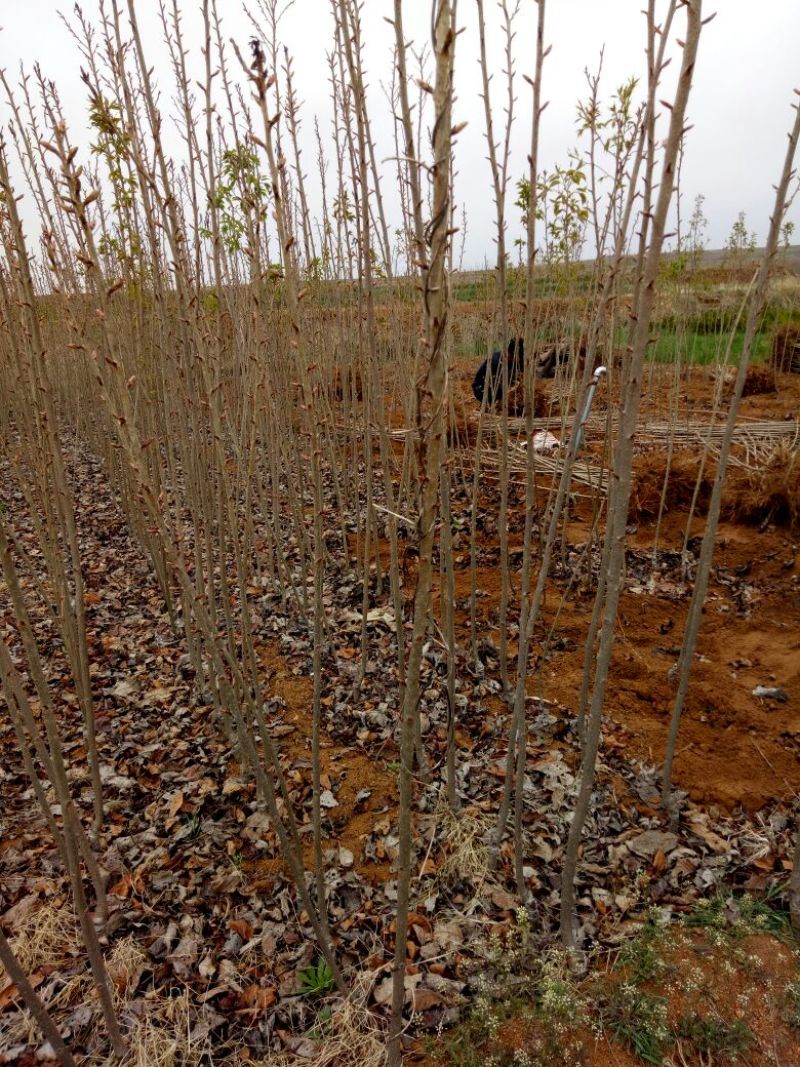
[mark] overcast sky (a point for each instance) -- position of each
(749, 66)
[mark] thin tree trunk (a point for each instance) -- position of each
(33, 1003)
(447, 598)
(499, 173)
(430, 412)
(623, 458)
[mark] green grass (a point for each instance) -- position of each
(317, 980)
(743, 915)
(628, 1003)
(472, 291)
(193, 826)
(637, 1019)
(700, 348)
(704, 348)
(708, 1036)
(791, 1005)
(642, 958)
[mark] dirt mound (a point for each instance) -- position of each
(759, 380)
(462, 426)
(769, 492)
(464, 411)
(766, 491)
(650, 471)
(785, 354)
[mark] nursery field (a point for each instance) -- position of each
(397, 663)
(199, 951)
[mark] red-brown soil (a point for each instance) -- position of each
(734, 748)
(725, 982)
(350, 770)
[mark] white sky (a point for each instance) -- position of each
(749, 66)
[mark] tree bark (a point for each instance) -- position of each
(430, 420)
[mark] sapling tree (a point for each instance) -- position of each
(274, 424)
(123, 244)
(794, 882)
(240, 190)
(695, 244)
(499, 154)
(430, 431)
(615, 537)
(740, 241)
